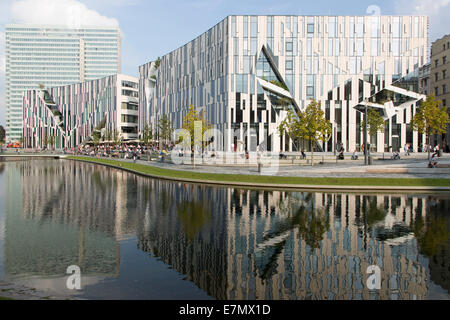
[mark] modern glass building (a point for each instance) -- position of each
(247, 72)
(74, 114)
(54, 56)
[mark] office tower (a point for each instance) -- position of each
(54, 56)
(247, 72)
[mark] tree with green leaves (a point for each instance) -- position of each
(116, 137)
(196, 122)
(147, 135)
(310, 125)
(375, 123)
(431, 119)
(165, 128)
(291, 127)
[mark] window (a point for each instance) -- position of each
(289, 47)
(128, 84)
(129, 118)
(436, 76)
(436, 63)
(129, 106)
(444, 102)
(444, 60)
(436, 91)
(289, 65)
(444, 74)
(310, 28)
(444, 89)
(130, 93)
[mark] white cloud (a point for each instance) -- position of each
(437, 10)
(71, 13)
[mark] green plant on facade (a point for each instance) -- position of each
(158, 63)
(431, 119)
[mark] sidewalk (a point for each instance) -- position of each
(413, 167)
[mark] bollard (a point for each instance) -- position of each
(259, 167)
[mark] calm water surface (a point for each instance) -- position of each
(138, 238)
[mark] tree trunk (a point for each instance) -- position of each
(312, 153)
(429, 147)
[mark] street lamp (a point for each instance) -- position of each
(365, 134)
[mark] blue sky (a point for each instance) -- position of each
(152, 28)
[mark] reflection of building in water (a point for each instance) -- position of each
(72, 214)
(272, 245)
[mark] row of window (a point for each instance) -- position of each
(127, 118)
(444, 75)
(444, 90)
(357, 26)
(436, 62)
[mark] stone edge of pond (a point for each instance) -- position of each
(11, 292)
(274, 186)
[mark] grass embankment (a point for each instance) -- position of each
(258, 179)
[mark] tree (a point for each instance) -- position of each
(310, 125)
(375, 123)
(291, 127)
(147, 134)
(2, 134)
(165, 128)
(116, 137)
(431, 119)
(190, 122)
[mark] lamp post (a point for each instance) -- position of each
(366, 149)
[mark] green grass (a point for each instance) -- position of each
(167, 173)
(3, 298)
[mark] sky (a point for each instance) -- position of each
(152, 28)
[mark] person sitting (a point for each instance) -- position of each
(355, 155)
(303, 154)
(433, 162)
(395, 156)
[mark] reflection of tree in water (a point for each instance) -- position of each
(312, 224)
(2, 167)
(193, 215)
(433, 238)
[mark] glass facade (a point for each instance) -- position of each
(53, 57)
(273, 61)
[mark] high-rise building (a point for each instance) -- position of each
(247, 72)
(440, 81)
(54, 56)
(75, 114)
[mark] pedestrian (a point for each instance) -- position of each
(406, 149)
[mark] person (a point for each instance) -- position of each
(303, 154)
(436, 150)
(406, 149)
(433, 162)
(395, 156)
(355, 155)
(163, 154)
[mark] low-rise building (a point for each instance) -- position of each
(72, 114)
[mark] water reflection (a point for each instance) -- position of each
(231, 243)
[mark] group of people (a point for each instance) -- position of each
(123, 151)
